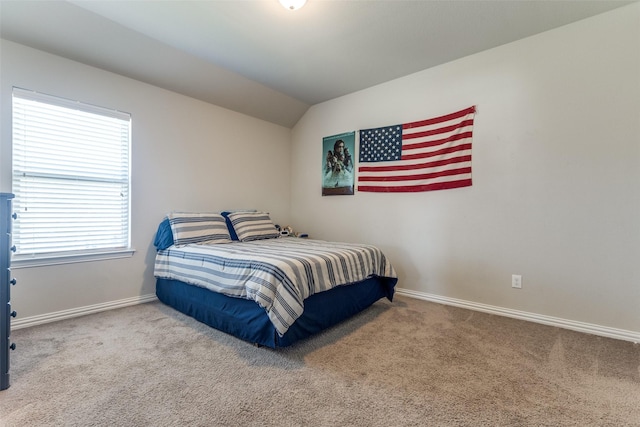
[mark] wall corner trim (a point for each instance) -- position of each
(589, 328)
(573, 325)
(79, 311)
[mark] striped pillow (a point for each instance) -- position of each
(199, 228)
(253, 226)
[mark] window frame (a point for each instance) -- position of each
(88, 254)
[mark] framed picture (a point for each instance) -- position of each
(337, 164)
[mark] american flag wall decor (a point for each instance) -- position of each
(432, 154)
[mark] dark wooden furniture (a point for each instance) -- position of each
(6, 281)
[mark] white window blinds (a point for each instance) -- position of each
(71, 170)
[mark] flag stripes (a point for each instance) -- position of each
(426, 155)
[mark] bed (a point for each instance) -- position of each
(234, 272)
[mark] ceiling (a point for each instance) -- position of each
(257, 58)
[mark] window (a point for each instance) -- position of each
(71, 170)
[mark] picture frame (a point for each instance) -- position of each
(338, 168)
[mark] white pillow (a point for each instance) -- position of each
(253, 226)
(199, 228)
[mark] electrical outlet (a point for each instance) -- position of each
(516, 281)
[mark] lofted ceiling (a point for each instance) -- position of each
(257, 58)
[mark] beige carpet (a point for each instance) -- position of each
(407, 363)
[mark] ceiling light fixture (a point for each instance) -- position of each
(292, 4)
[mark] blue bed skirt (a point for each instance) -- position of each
(248, 321)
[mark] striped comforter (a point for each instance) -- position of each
(278, 274)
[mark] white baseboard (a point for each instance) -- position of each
(588, 328)
(80, 311)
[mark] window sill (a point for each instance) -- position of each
(24, 262)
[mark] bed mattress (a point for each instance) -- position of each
(279, 275)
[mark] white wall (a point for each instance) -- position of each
(556, 176)
(186, 155)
